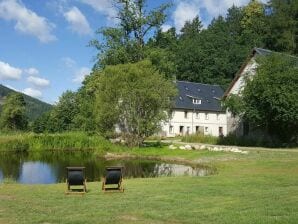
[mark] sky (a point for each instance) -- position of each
(44, 43)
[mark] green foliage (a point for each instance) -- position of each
(62, 141)
(200, 138)
(135, 97)
(269, 100)
(13, 115)
(282, 21)
(125, 42)
(34, 107)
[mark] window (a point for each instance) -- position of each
(206, 129)
(197, 115)
(181, 130)
(196, 101)
(185, 114)
(206, 116)
(197, 129)
(171, 129)
(217, 117)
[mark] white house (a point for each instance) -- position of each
(197, 109)
(247, 71)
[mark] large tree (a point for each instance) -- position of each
(134, 98)
(125, 43)
(269, 100)
(13, 115)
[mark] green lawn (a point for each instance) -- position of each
(261, 187)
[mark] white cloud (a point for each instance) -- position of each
(185, 11)
(68, 62)
(78, 22)
(38, 82)
(32, 71)
(165, 27)
(7, 72)
(81, 74)
(188, 9)
(27, 21)
(32, 92)
(103, 6)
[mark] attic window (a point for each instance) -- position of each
(196, 101)
(186, 88)
(180, 98)
(213, 91)
(199, 90)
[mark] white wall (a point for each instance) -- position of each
(210, 124)
(248, 72)
(234, 124)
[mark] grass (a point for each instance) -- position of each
(232, 139)
(60, 141)
(261, 187)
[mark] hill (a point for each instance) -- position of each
(34, 107)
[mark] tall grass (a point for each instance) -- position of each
(62, 141)
(232, 140)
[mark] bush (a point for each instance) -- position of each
(200, 138)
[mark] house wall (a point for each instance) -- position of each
(207, 122)
(234, 123)
(248, 72)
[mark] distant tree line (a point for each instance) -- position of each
(207, 55)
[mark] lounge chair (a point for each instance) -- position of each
(114, 178)
(76, 177)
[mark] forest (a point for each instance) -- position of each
(210, 55)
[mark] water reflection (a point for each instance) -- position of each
(47, 168)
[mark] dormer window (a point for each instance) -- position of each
(196, 101)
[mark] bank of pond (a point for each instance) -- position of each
(50, 167)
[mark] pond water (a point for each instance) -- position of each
(50, 167)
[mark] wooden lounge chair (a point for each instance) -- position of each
(75, 177)
(114, 178)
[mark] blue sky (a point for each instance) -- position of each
(43, 44)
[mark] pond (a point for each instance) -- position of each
(50, 167)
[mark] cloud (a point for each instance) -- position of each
(78, 22)
(165, 27)
(27, 21)
(185, 11)
(32, 71)
(32, 92)
(38, 82)
(188, 9)
(104, 7)
(81, 74)
(68, 62)
(7, 72)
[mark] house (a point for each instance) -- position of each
(197, 109)
(247, 71)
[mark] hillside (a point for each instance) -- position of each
(34, 106)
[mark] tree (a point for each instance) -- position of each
(133, 97)
(269, 100)
(282, 20)
(63, 114)
(125, 43)
(13, 115)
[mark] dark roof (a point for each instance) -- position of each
(209, 95)
(261, 51)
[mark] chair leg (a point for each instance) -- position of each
(103, 184)
(85, 186)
